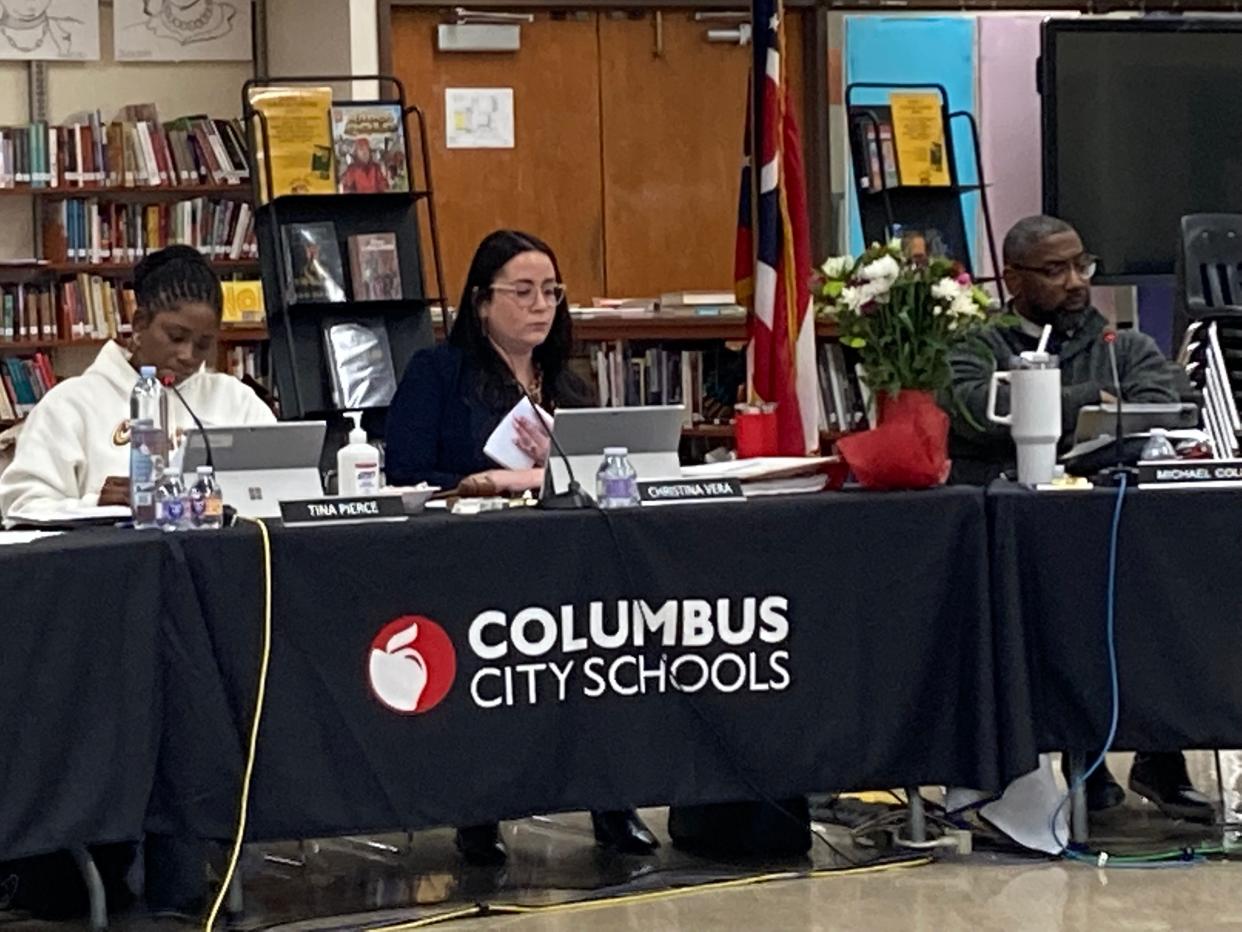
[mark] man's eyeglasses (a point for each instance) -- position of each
(1085, 265)
(526, 293)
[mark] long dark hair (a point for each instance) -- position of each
(497, 385)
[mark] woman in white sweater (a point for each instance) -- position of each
(73, 451)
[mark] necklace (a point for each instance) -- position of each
(535, 388)
(193, 25)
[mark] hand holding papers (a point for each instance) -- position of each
(519, 442)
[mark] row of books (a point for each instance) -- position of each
(706, 382)
(315, 272)
(135, 150)
(875, 155)
(23, 381)
(88, 230)
(91, 307)
(84, 307)
(843, 405)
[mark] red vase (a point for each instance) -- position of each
(908, 448)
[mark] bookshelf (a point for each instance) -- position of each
(889, 208)
(98, 204)
(299, 325)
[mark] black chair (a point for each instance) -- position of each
(1209, 270)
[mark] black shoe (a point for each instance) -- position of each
(1103, 792)
(623, 831)
(1162, 779)
(481, 846)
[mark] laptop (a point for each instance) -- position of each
(260, 466)
(651, 434)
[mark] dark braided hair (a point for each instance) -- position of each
(174, 276)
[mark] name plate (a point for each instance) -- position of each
(689, 491)
(344, 510)
(1191, 472)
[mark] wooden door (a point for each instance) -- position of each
(549, 184)
(673, 113)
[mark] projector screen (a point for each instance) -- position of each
(1142, 124)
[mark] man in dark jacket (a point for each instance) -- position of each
(1049, 275)
(1048, 272)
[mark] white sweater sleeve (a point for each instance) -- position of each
(254, 411)
(49, 467)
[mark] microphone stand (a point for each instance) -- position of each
(230, 513)
(1112, 475)
(574, 497)
(211, 460)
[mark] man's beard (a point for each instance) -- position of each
(1064, 322)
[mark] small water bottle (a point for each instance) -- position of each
(616, 483)
(206, 501)
(1158, 447)
(170, 502)
(148, 446)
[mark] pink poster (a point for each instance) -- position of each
(1009, 118)
(1009, 111)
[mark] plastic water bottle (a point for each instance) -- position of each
(171, 505)
(616, 483)
(1158, 447)
(148, 446)
(206, 501)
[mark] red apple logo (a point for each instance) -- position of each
(412, 665)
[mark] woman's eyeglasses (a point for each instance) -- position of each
(526, 293)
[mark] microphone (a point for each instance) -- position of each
(170, 383)
(1110, 340)
(572, 498)
(1116, 474)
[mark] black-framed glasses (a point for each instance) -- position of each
(526, 292)
(1085, 265)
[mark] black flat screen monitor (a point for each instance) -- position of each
(1142, 124)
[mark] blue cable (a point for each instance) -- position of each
(1114, 679)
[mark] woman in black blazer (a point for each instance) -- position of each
(511, 337)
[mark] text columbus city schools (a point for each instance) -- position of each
(630, 648)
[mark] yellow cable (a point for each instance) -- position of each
(251, 751)
(514, 909)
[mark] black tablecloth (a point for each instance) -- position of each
(1178, 618)
(79, 697)
(890, 664)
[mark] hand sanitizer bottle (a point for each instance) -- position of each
(358, 463)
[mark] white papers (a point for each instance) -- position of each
(72, 514)
(768, 475)
(478, 118)
(502, 445)
(760, 467)
(8, 538)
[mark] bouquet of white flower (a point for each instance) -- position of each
(903, 318)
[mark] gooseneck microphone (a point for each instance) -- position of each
(575, 496)
(1110, 340)
(171, 383)
(1115, 475)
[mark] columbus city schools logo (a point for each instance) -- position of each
(412, 665)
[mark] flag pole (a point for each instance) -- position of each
(755, 129)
